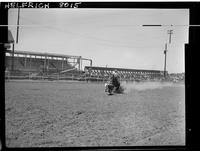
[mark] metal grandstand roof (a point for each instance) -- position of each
(43, 54)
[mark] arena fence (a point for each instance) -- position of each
(89, 78)
(73, 78)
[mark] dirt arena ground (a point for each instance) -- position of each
(62, 114)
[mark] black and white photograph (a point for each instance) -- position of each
(95, 77)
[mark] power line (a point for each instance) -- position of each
(99, 40)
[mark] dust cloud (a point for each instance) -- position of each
(144, 85)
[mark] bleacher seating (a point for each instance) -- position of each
(36, 65)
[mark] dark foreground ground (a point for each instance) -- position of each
(62, 114)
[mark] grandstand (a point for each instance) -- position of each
(34, 64)
(102, 73)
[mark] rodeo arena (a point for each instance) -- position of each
(50, 66)
(52, 102)
(55, 100)
(34, 65)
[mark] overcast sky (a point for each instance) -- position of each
(112, 37)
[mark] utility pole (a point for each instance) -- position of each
(170, 33)
(165, 52)
(13, 47)
(17, 26)
(12, 66)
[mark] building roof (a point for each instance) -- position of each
(42, 54)
(10, 37)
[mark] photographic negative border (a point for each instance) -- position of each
(190, 60)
